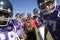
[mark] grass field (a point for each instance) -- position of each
(49, 36)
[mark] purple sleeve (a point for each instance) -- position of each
(19, 31)
(18, 27)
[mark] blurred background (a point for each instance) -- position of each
(25, 5)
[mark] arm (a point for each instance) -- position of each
(20, 32)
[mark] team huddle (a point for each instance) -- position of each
(30, 28)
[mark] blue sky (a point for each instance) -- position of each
(25, 5)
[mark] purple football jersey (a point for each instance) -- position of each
(8, 32)
(53, 23)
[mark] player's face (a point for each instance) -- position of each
(36, 14)
(48, 6)
(3, 17)
(39, 16)
(29, 15)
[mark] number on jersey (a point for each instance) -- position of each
(53, 23)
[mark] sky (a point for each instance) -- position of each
(25, 6)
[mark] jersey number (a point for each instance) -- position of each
(11, 36)
(52, 23)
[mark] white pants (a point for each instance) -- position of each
(41, 32)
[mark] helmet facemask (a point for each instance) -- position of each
(4, 19)
(6, 12)
(48, 7)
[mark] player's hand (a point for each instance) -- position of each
(23, 35)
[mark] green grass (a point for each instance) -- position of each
(49, 36)
(37, 36)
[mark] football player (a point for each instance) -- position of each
(51, 15)
(38, 20)
(18, 18)
(9, 29)
(22, 19)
